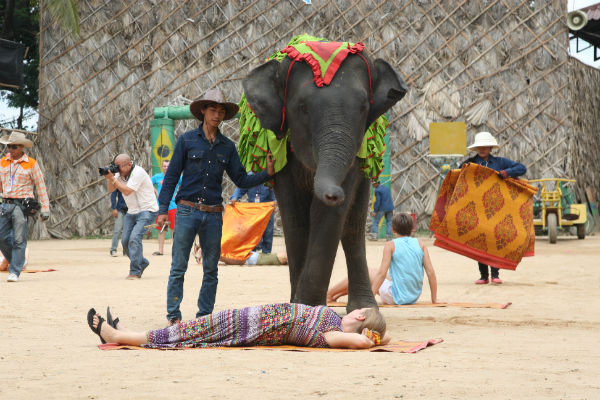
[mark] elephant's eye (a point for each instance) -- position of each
(303, 107)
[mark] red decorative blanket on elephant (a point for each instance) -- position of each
(484, 217)
(324, 58)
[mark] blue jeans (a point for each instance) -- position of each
(133, 233)
(266, 242)
(388, 220)
(207, 225)
(13, 236)
(117, 230)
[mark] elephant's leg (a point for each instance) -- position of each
(327, 225)
(293, 198)
(324, 238)
(360, 294)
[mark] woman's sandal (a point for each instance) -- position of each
(90, 319)
(111, 322)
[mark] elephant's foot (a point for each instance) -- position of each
(310, 299)
(362, 302)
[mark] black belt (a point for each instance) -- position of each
(201, 207)
(12, 201)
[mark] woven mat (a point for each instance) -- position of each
(396, 346)
(500, 306)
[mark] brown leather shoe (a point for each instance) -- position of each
(130, 277)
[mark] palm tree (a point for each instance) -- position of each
(64, 13)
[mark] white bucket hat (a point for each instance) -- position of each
(483, 139)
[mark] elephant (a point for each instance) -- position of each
(322, 193)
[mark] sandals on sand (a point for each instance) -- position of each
(90, 319)
(157, 253)
(112, 322)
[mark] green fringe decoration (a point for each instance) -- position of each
(255, 141)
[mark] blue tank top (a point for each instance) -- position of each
(406, 270)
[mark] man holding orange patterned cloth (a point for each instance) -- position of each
(19, 174)
(484, 213)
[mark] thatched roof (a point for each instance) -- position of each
(499, 65)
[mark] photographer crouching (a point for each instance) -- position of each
(19, 174)
(137, 190)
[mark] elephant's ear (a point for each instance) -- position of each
(388, 89)
(264, 93)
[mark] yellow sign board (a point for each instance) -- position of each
(447, 138)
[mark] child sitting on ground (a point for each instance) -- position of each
(399, 279)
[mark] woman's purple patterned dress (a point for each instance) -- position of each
(267, 325)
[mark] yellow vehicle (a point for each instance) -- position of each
(555, 208)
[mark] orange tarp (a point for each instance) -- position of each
(484, 217)
(243, 226)
(398, 346)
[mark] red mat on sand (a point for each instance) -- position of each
(397, 346)
(33, 271)
(416, 305)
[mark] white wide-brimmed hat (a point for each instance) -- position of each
(483, 139)
(211, 97)
(16, 138)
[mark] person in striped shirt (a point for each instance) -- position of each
(19, 175)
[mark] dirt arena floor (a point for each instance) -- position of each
(545, 345)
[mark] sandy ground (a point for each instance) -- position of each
(543, 346)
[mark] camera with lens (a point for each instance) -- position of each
(114, 168)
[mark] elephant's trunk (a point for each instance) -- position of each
(335, 154)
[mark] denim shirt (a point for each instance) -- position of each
(202, 165)
(117, 202)
(383, 199)
(512, 168)
(265, 194)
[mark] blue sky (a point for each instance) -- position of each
(8, 114)
(585, 56)
(577, 4)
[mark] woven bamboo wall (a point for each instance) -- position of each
(499, 65)
(585, 127)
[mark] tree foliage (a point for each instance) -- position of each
(19, 22)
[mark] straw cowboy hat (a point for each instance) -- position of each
(483, 139)
(211, 97)
(16, 138)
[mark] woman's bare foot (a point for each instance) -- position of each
(107, 332)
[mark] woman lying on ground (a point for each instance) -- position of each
(266, 325)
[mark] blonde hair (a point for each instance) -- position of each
(374, 321)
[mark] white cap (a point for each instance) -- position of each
(483, 139)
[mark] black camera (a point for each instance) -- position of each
(110, 168)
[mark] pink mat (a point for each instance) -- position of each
(33, 271)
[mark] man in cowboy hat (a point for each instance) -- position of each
(202, 155)
(483, 145)
(19, 174)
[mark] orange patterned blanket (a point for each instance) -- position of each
(398, 346)
(484, 217)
